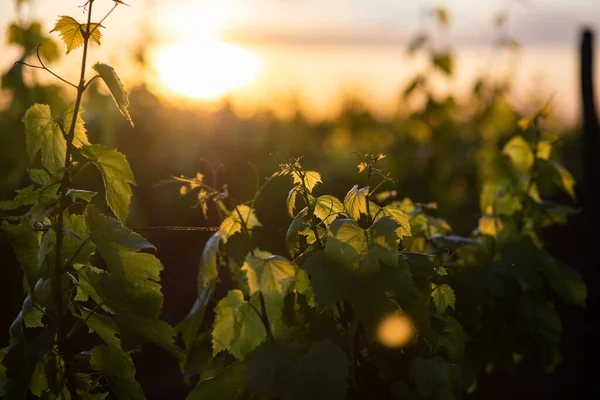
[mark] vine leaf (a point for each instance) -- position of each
(237, 326)
(443, 297)
(328, 208)
(43, 134)
(291, 200)
(321, 373)
(208, 264)
(116, 174)
(356, 202)
(47, 135)
(20, 362)
(292, 243)
(399, 216)
(80, 138)
(72, 32)
(233, 223)
(520, 154)
(136, 308)
(311, 179)
(229, 384)
(269, 274)
(25, 243)
(117, 91)
(428, 374)
(117, 367)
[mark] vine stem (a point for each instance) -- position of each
(59, 267)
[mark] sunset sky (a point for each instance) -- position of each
(548, 30)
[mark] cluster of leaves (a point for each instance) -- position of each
(377, 299)
(83, 270)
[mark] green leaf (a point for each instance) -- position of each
(118, 369)
(30, 196)
(136, 308)
(443, 297)
(104, 326)
(21, 360)
(72, 32)
(271, 275)
(559, 175)
(398, 215)
(117, 247)
(520, 154)
(117, 91)
(39, 176)
(321, 373)
(328, 208)
(116, 174)
(80, 138)
(330, 281)
(429, 374)
(25, 243)
(237, 327)
(229, 384)
(292, 243)
(43, 133)
(355, 202)
(310, 179)
(291, 200)
(348, 244)
(239, 216)
(452, 339)
(207, 272)
(444, 62)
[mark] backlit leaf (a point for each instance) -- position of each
(239, 216)
(229, 384)
(328, 208)
(355, 202)
(118, 369)
(237, 327)
(269, 274)
(400, 216)
(72, 32)
(116, 174)
(309, 178)
(208, 264)
(443, 297)
(520, 153)
(117, 91)
(43, 134)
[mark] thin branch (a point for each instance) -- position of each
(37, 52)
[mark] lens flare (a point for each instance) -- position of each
(395, 330)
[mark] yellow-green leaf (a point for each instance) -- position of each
(356, 202)
(443, 297)
(80, 138)
(269, 274)
(237, 326)
(73, 33)
(401, 218)
(117, 91)
(117, 176)
(520, 153)
(239, 216)
(43, 134)
(310, 179)
(328, 208)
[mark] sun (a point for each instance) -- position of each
(206, 69)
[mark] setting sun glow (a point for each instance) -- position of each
(206, 69)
